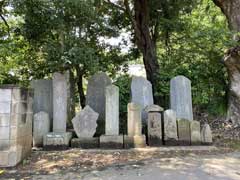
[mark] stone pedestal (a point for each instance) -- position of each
(138, 141)
(55, 140)
(85, 142)
(111, 141)
(16, 116)
(184, 136)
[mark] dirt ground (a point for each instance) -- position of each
(78, 163)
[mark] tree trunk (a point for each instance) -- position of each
(80, 86)
(146, 44)
(231, 9)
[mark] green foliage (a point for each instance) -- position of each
(124, 83)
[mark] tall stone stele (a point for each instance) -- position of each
(59, 137)
(154, 125)
(141, 94)
(170, 128)
(181, 97)
(16, 116)
(135, 138)
(111, 139)
(95, 97)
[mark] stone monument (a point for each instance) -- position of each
(181, 97)
(85, 124)
(195, 133)
(170, 128)
(184, 136)
(59, 138)
(206, 135)
(16, 116)
(112, 139)
(135, 138)
(43, 98)
(154, 125)
(41, 126)
(141, 93)
(95, 97)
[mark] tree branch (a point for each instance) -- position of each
(114, 5)
(6, 24)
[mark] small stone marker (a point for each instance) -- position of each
(195, 133)
(85, 122)
(59, 138)
(206, 135)
(184, 136)
(134, 137)
(181, 97)
(41, 126)
(141, 93)
(170, 128)
(154, 125)
(112, 139)
(95, 97)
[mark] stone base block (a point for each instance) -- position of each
(57, 141)
(155, 141)
(134, 141)
(171, 142)
(111, 142)
(85, 143)
(184, 143)
(196, 143)
(206, 143)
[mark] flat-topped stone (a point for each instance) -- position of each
(85, 122)
(154, 129)
(57, 140)
(134, 120)
(181, 97)
(195, 133)
(85, 142)
(170, 127)
(184, 135)
(111, 141)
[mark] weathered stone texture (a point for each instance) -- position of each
(181, 97)
(184, 136)
(195, 133)
(206, 135)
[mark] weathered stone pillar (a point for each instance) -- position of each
(134, 137)
(112, 139)
(195, 133)
(206, 135)
(184, 136)
(154, 125)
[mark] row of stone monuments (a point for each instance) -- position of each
(51, 112)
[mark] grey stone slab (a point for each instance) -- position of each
(95, 97)
(195, 133)
(4, 145)
(170, 127)
(206, 135)
(141, 93)
(85, 142)
(112, 110)
(181, 97)
(85, 122)
(60, 99)
(43, 96)
(134, 119)
(41, 126)
(111, 142)
(19, 107)
(5, 95)
(153, 108)
(184, 134)
(154, 129)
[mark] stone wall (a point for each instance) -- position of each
(16, 116)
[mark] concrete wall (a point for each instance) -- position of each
(16, 116)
